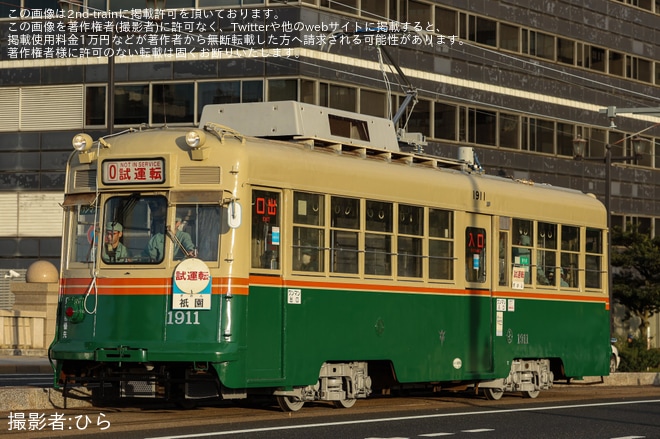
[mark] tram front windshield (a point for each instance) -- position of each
(142, 229)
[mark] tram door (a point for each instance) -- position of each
(265, 302)
(479, 249)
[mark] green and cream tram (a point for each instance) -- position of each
(292, 250)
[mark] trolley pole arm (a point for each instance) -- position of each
(411, 91)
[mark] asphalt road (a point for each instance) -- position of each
(575, 411)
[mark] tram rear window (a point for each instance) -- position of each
(349, 128)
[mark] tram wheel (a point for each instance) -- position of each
(493, 394)
(288, 404)
(531, 393)
(344, 403)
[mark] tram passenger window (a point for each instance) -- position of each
(308, 233)
(441, 244)
(409, 241)
(265, 229)
(409, 259)
(308, 249)
(344, 252)
(570, 246)
(545, 268)
(344, 218)
(521, 251)
(569, 270)
(594, 259)
(570, 238)
(308, 209)
(378, 239)
(546, 241)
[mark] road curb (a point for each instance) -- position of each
(28, 399)
(25, 369)
(617, 379)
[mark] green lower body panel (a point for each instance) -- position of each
(263, 339)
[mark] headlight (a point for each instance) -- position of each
(195, 138)
(82, 142)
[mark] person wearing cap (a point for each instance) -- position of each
(307, 260)
(183, 244)
(113, 249)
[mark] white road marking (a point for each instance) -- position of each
(402, 418)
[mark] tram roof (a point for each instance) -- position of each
(341, 168)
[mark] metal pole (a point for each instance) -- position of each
(111, 82)
(608, 204)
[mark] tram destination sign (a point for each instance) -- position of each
(140, 171)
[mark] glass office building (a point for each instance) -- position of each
(517, 80)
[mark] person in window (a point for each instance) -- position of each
(183, 245)
(307, 261)
(113, 249)
(541, 278)
(564, 280)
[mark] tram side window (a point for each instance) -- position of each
(344, 226)
(570, 253)
(475, 254)
(308, 233)
(546, 263)
(85, 234)
(594, 258)
(521, 248)
(378, 238)
(441, 244)
(409, 241)
(265, 229)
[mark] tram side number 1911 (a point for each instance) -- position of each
(182, 318)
